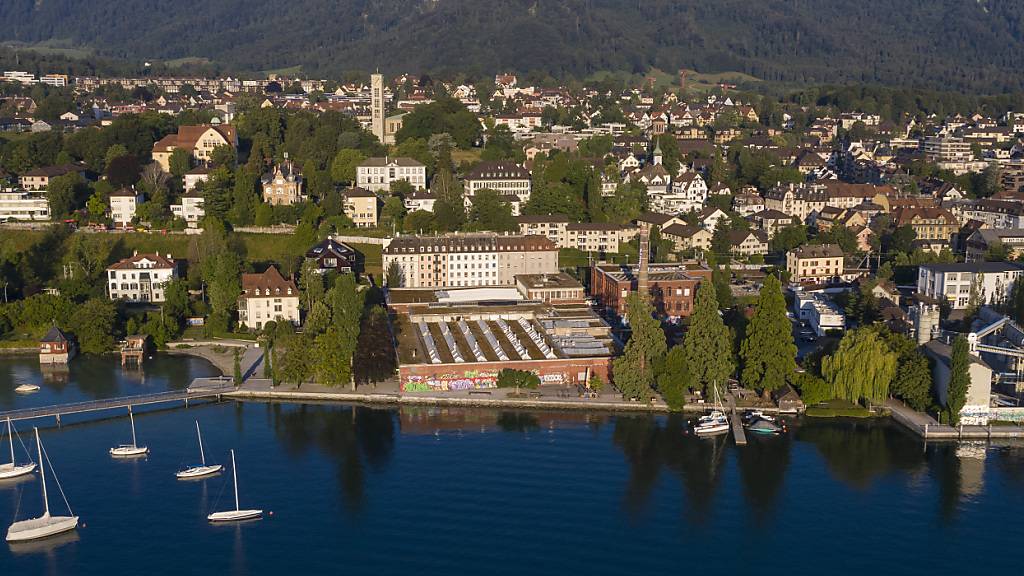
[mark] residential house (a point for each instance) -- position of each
(598, 237)
(123, 205)
(747, 204)
(360, 205)
(709, 218)
(420, 200)
(746, 243)
(815, 263)
(23, 205)
(332, 256)
(267, 297)
(771, 221)
(190, 208)
(39, 178)
(554, 227)
(199, 141)
(981, 241)
(687, 237)
(141, 278)
(194, 176)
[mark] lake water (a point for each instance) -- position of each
(355, 490)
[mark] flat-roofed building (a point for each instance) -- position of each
(465, 260)
(550, 288)
(23, 205)
(959, 283)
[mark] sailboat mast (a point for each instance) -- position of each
(10, 436)
(132, 418)
(202, 455)
(234, 475)
(42, 474)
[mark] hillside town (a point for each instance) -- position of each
(664, 243)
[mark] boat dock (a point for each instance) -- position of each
(201, 388)
(739, 435)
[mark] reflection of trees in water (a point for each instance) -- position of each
(518, 422)
(944, 466)
(762, 465)
(650, 444)
(357, 438)
(858, 451)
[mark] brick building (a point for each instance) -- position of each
(672, 287)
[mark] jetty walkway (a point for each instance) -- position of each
(201, 388)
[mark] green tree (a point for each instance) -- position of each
(633, 372)
(813, 390)
(343, 167)
(707, 343)
(511, 378)
(768, 354)
(959, 379)
(674, 378)
(394, 277)
(93, 324)
(65, 194)
(789, 237)
(180, 162)
(489, 212)
(861, 368)
(237, 369)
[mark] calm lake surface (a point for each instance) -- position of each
(356, 490)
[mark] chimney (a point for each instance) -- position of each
(643, 258)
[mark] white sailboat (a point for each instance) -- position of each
(715, 423)
(202, 469)
(236, 514)
(45, 525)
(127, 450)
(13, 470)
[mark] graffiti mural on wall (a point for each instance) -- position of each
(468, 380)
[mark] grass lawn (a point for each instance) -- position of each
(838, 408)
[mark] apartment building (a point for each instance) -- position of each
(123, 205)
(466, 260)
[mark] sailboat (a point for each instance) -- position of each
(45, 525)
(13, 470)
(236, 514)
(715, 423)
(126, 450)
(202, 469)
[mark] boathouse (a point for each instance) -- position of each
(56, 347)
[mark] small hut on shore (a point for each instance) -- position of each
(56, 348)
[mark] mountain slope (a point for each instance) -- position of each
(958, 44)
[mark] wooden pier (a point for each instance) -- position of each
(739, 435)
(206, 388)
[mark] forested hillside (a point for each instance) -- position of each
(951, 44)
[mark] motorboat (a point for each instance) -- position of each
(27, 388)
(45, 525)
